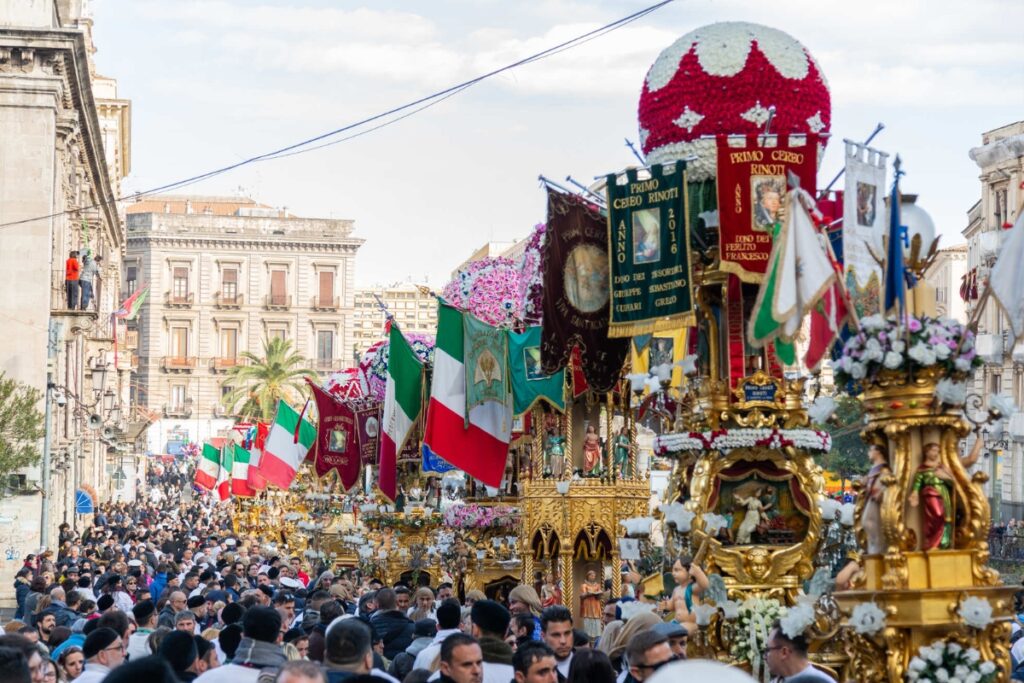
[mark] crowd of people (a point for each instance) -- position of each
(174, 594)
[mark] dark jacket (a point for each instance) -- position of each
(166, 617)
(21, 591)
(496, 651)
(403, 662)
(316, 642)
(395, 629)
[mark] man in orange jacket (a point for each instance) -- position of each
(72, 271)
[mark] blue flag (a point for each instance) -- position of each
(895, 269)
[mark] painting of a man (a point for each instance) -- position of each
(531, 359)
(767, 195)
(866, 204)
(339, 441)
(646, 236)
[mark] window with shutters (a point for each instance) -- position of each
(280, 333)
(133, 276)
(228, 344)
(177, 397)
(179, 342)
(179, 287)
(324, 347)
(278, 293)
(229, 285)
(326, 290)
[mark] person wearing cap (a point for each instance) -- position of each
(197, 605)
(490, 622)
(677, 636)
(179, 650)
(145, 618)
(103, 651)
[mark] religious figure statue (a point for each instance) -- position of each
(753, 516)
(690, 583)
(934, 483)
(591, 451)
(556, 451)
(622, 452)
(550, 593)
(871, 518)
(590, 604)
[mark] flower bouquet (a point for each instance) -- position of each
(472, 516)
(942, 662)
(917, 344)
(753, 625)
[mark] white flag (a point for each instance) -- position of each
(1007, 280)
(804, 270)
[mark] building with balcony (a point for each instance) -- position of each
(65, 145)
(413, 306)
(944, 277)
(1000, 160)
(225, 274)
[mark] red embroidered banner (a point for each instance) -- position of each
(336, 445)
(751, 185)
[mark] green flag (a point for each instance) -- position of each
(529, 383)
(763, 326)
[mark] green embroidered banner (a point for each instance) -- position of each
(529, 383)
(486, 353)
(649, 255)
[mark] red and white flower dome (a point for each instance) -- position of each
(722, 79)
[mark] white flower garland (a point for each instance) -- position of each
(942, 662)
(727, 440)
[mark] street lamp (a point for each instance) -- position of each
(108, 400)
(99, 376)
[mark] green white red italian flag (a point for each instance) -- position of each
(289, 440)
(224, 474)
(208, 467)
(240, 473)
(403, 401)
(478, 446)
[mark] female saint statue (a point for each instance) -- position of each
(933, 486)
(591, 451)
(873, 490)
(556, 451)
(622, 452)
(753, 516)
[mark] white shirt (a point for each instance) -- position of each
(808, 675)
(1017, 651)
(229, 673)
(138, 645)
(428, 654)
(94, 673)
(563, 665)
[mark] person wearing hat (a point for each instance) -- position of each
(197, 605)
(103, 651)
(677, 636)
(258, 650)
(490, 621)
(145, 619)
(179, 650)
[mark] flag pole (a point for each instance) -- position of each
(878, 129)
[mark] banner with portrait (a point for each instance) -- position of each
(486, 351)
(368, 430)
(574, 261)
(336, 447)
(865, 221)
(649, 252)
(751, 184)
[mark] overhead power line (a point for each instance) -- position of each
(416, 106)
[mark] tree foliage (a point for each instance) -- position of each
(849, 455)
(257, 386)
(22, 426)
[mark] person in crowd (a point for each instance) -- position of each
(145, 619)
(88, 275)
(557, 631)
(677, 637)
(591, 666)
(104, 651)
(461, 660)
(301, 672)
(490, 622)
(72, 662)
(786, 658)
(258, 649)
(72, 272)
(179, 649)
(523, 599)
(522, 627)
(391, 624)
(534, 662)
(14, 666)
(147, 670)
(449, 615)
(423, 604)
(348, 651)
(647, 652)
(423, 635)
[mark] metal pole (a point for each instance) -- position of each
(997, 487)
(44, 516)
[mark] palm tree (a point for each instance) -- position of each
(259, 384)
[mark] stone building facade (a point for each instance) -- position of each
(414, 308)
(945, 276)
(64, 148)
(1000, 159)
(225, 274)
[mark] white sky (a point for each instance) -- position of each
(214, 82)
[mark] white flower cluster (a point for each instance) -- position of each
(796, 619)
(976, 612)
(951, 392)
(676, 514)
(727, 440)
(821, 409)
(949, 662)
(867, 618)
(638, 526)
(1001, 405)
(754, 622)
